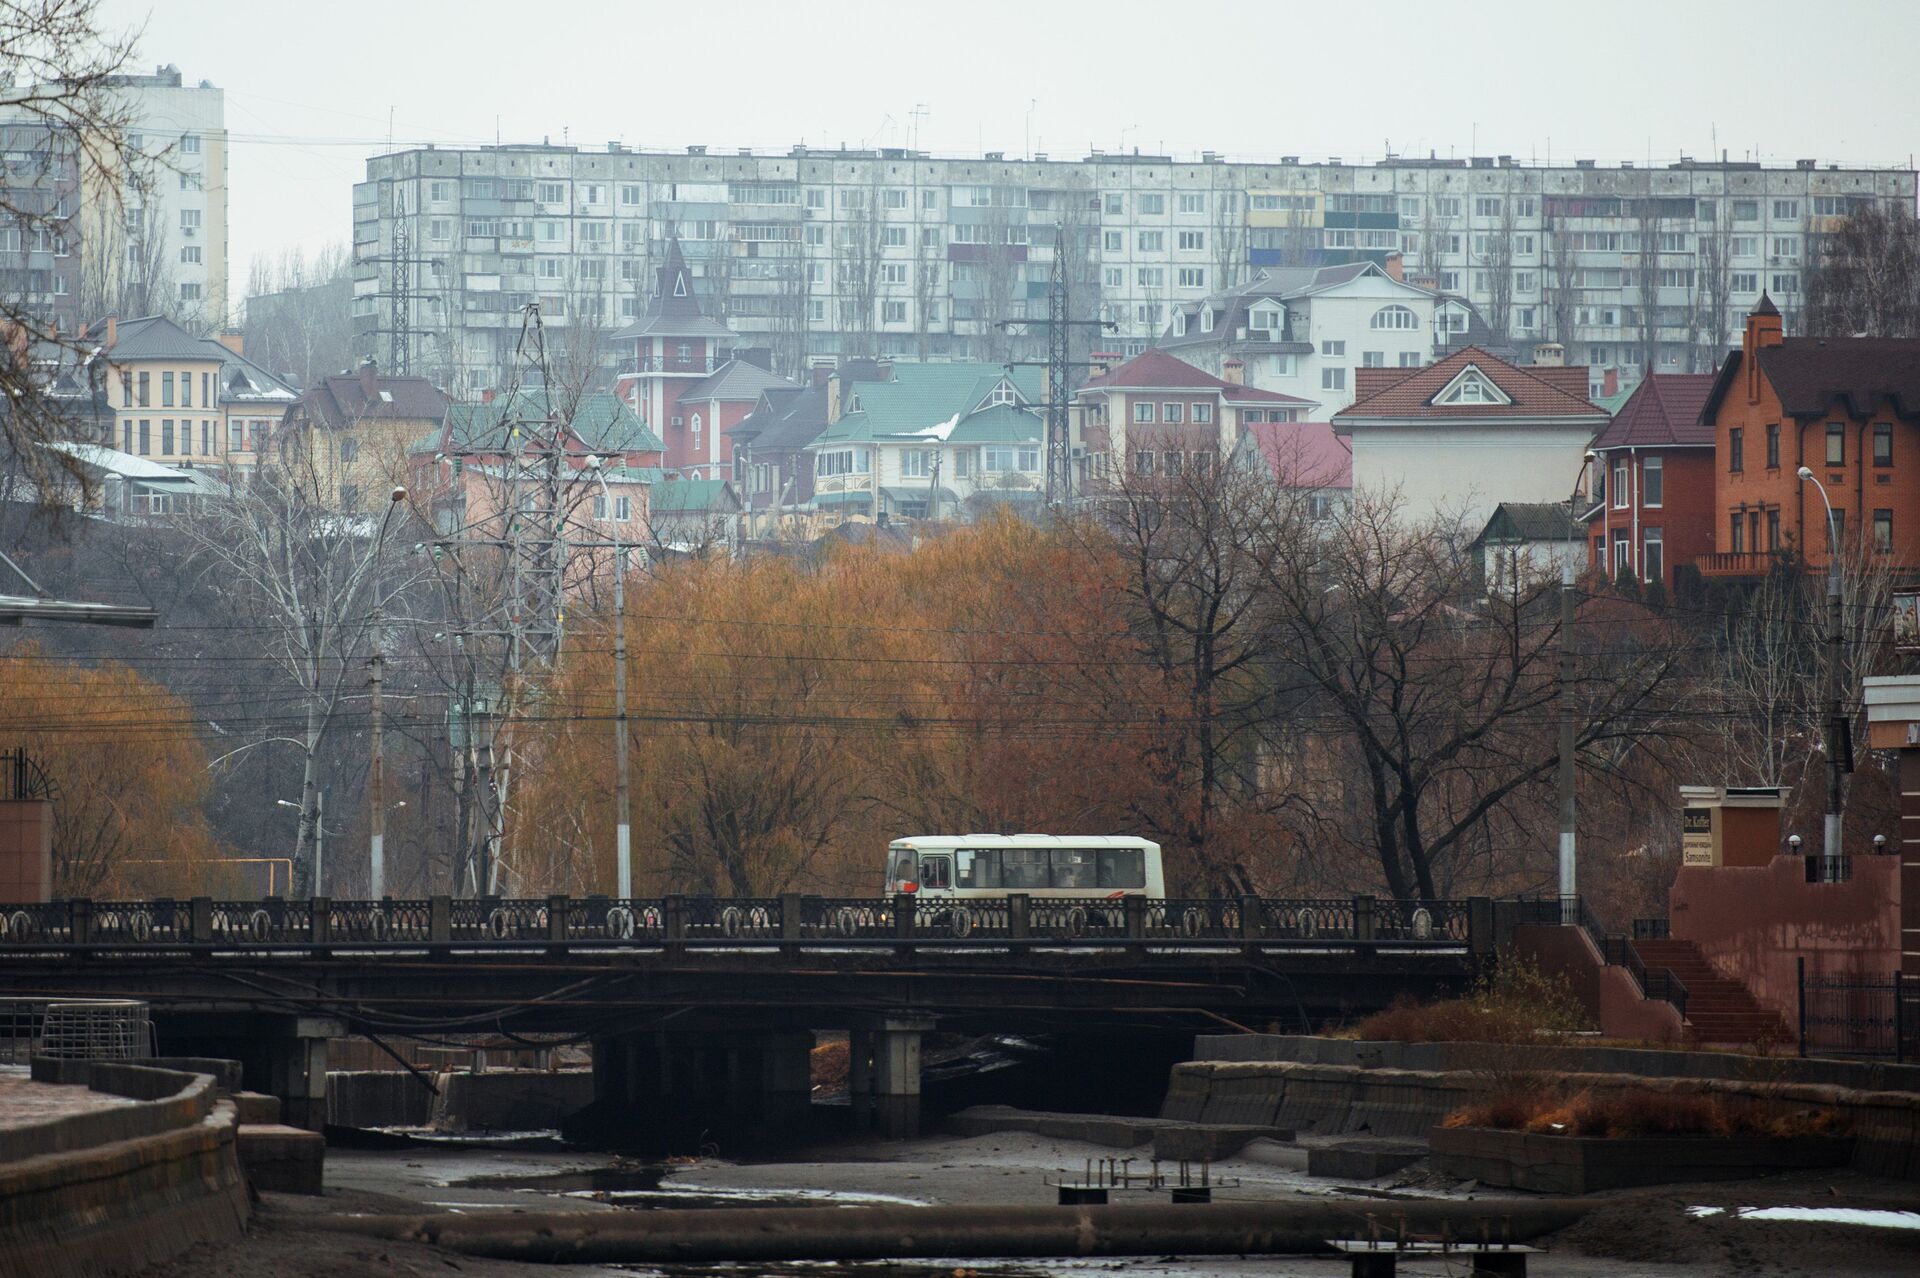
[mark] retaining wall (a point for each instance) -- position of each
(511, 1100)
(377, 1098)
(115, 1191)
(1323, 1099)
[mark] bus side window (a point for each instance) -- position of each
(1122, 868)
(1022, 868)
(933, 873)
(1073, 868)
(903, 868)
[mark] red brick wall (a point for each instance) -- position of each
(1685, 515)
(1608, 993)
(1753, 922)
(26, 851)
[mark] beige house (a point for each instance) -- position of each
(164, 387)
(355, 430)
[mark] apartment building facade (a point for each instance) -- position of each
(892, 252)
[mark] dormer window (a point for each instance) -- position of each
(1206, 319)
(1004, 393)
(1179, 323)
(1270, 319)
(1470, 386)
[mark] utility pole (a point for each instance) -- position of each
(377, 769)
(1839, 745)
(623, 811)
(1569, 726)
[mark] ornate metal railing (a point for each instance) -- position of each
(322, 923)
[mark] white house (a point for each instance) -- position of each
(1303, 331)
(1457, 438)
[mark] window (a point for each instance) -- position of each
(1173, 414)
(1836, 444)
(1151, 276)
(1883, 532)
(1151, 204)
(1114, 277)
(845, 461)
(917, 463)
(1737, 542)
(166, 390)
(1773, 529)
(1789, 209)
(1193, 277)
(146, 437)
(1736, 450)
(896, 197)
(1373, 359)
(1202, 414)
(552, 192)
(929, 199)
(1786, 284)
(236, 436)
(1486, 206)
(189, 292)
(1620, 484)
(166, 437)
(1786, 248)
(1653, 560)
(349, 451)
(1652, 482)
(893, 312)
(1333, 349)
(894, 237)
(997, 459)
(1152, 241)
(1143, 411)
(1883, 443)
(893, 273)
(1773, 446)
(1746, 282)
(1394, 317)
(1114, 241)
(1334, 379)
(1266, 319)
(1409, 359)
(629, 195)
(189, 221)
(1192, 241)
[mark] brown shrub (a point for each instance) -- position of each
(1637, 1111)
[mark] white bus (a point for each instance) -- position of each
(1044, 866)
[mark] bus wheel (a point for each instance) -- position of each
(1076, 921)
(960, 923)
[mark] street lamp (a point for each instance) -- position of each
(377, 772)
(623, 831)
(1830, 852)
(1569, 730)
(319, 835)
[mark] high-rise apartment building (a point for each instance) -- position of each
(893, 252)
(174, 235)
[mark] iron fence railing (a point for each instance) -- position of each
(322, 923)
(1859, 1015)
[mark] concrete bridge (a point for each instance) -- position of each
(697, 1004)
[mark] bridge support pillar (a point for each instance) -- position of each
(284, 1056)
(678, 1086)
(883, 1077)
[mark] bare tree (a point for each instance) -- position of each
(1229, 236)
(1648, 220)
(1557, 281)
(857, 264)
(792, 303)
(316, 584)
(298, 319)
(58, 63)
(1495, 262)
(1864, 278)
(1713, 292)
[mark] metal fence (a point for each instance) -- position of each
(276, 923)
(1859, 1016)
(94, 1029)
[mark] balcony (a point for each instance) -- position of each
(1730, 565)
(649, 365)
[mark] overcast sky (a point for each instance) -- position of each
(313, 88)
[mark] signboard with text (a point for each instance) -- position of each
(1696, 836)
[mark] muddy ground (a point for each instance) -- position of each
(1630, 1234)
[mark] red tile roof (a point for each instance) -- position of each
(1155, 370)
(1406, 392)
(1663, 411)
(1813, 374)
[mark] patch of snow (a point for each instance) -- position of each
(940, 432)
(1836, 1216)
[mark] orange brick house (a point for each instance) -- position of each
(1848, 408)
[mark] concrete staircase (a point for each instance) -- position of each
(1718, 1010)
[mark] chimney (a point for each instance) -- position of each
(1549, 355)
(1235, 371)
(113, 330)
(1100, 363)
(1763, 330)
(1610, 382)
(1395, 267)
(369, 377)
(819, 374)
(834, 383)
(234, 341)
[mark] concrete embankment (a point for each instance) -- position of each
(874, 1233)
(113, 1191)
(1378, 1100)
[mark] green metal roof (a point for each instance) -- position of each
(605, 422)
(684, 496)
(925, 397)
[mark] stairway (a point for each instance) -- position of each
(1718, 1010)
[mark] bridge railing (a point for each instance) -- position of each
(791, 918)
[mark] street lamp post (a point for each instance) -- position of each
(377, 771)
(319, 837)
(1569, 729)
(1832, 847)
(623, 830)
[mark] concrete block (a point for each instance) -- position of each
(257, 1108)
(1363, 1158)
(282, 1159)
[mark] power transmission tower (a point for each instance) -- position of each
(399, 329)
